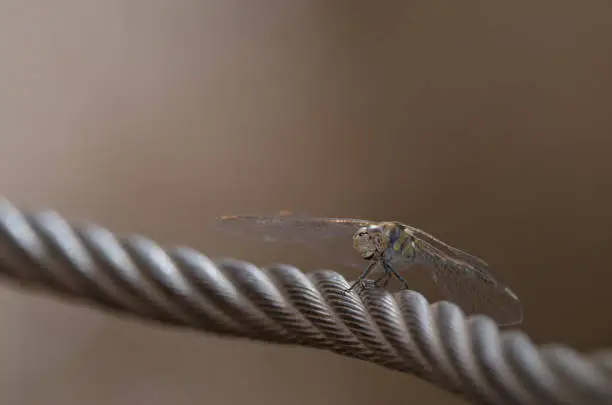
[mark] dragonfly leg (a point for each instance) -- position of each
(389, 269)
(361, 280)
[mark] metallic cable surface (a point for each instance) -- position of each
(133, 275)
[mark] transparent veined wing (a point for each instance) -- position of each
(445, 247)
(472, 285)
(331, 238)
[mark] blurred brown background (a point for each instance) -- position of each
(484, 123)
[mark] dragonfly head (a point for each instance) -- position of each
(370, 241)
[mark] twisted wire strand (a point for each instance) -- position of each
(182, 287)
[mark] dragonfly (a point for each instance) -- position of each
(394, 247)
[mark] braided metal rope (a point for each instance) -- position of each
(404, 332)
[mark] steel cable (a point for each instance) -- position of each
(182, 287)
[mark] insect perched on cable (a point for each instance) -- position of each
(393, 247)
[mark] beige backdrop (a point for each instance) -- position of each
(485, 123)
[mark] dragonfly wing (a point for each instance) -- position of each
(474, 288)
(286, 228)
(448, 249)
(328, 237)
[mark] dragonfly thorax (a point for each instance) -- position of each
(372, 241)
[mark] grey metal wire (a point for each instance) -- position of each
(182, 287)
